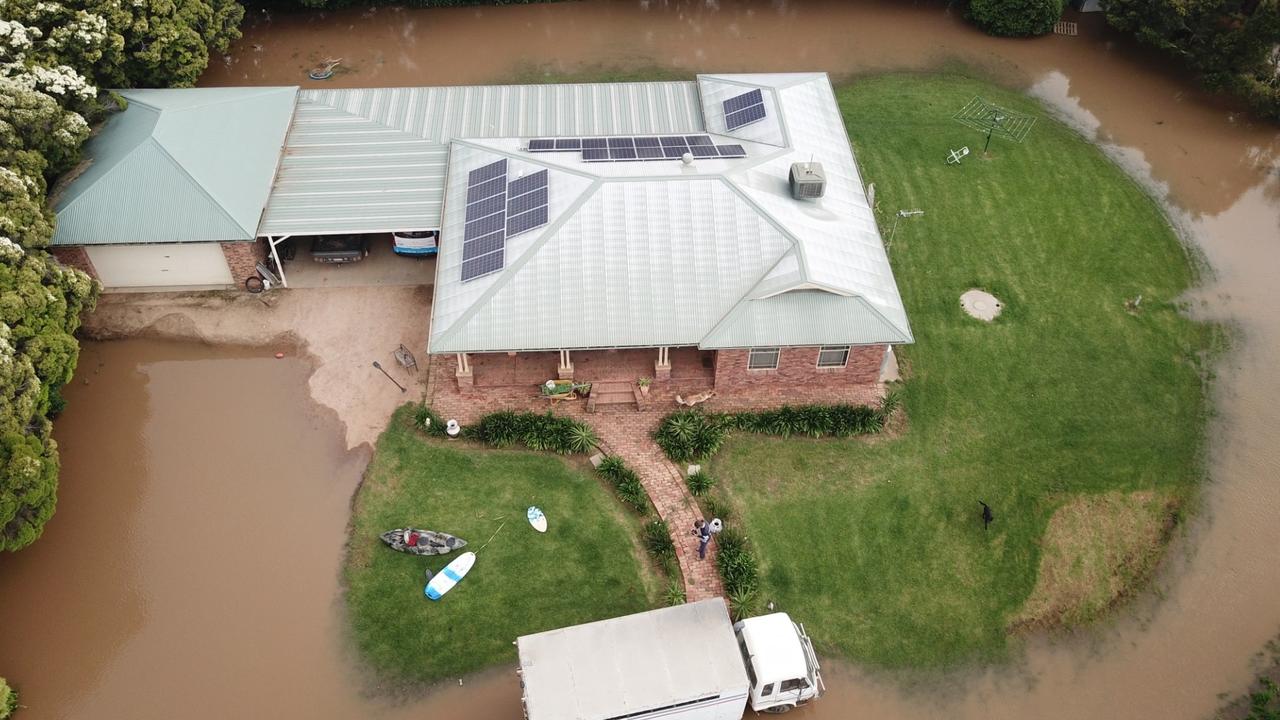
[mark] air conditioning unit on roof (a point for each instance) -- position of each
(808, 182)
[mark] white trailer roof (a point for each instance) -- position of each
(630, 664)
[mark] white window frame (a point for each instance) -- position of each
(846, 349)
(753, 352)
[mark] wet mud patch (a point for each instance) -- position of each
(1096, 551)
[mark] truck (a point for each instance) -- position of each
(687, 662)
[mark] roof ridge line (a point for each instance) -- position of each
(906, 334)
(520, 262)
(252, 234)
(768, 216)
(257, 91)
(734, 307)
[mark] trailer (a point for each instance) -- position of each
(676, 663)
(687, 662)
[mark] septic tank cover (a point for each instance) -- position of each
(980, 304)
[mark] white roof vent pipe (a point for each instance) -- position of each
(687, 158)
(808, 181)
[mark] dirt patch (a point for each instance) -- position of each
(344, 330)
(1096, 550)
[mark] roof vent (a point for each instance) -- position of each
(808, 182)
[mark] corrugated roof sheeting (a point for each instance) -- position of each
(803, 317)
(612, 668)
(184, 165)
(373, 160)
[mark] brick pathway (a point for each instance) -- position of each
(627, 435)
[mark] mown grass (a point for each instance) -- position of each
(878, 545)
(586, 567)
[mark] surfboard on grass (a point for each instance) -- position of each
(537, 519)
(451, 575)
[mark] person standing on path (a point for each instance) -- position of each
(703, 531)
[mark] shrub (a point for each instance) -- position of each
(700, 483)
(675, 593)
(717, 509)
(8, 699)
(426, 420)
(1015, 18)
(545, 432)
(657, 539)
(737, 563)
(690, 435)
(742, 604)
(626, 483)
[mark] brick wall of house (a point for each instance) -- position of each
(76, 257)
(243, 258)
(798, 366)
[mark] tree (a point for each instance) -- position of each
(1015, 18)
(1231, 44)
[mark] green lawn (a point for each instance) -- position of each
(878, 545)
(586, 567)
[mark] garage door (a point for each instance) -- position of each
(127, 266)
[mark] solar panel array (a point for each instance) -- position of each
(638, 148)
(497, 210)
(744, 109)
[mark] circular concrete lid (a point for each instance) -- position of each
(981, 304)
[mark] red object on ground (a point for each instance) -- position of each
(413, 540)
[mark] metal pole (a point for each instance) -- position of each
(384, 372)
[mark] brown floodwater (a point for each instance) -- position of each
(192, 567)
(182, 609)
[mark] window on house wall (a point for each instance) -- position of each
(833, 356)
(763, 358)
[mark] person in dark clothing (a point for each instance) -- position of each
(703, 531)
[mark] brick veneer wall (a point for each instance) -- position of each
(799, 365)
(76, 257)
(243, 258)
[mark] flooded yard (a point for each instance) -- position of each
(192, 568)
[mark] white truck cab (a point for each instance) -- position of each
(781, 665)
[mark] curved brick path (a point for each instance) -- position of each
(627, 435)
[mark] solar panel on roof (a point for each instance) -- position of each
(482, 265)
(487, 172)
(483, 226)
(743, 109)
(650, 153)
(528, 183)
(739, 102)
(527, 221)
(622, 153)
(675, 153)
(746, 116)
(568, 143)
(647, 142)
(595, 154)
(698, 139)
(594, 143)
(488, 206)
(488, 188)
(731, 151)
(484, 245)
(542, 145)
(703, 150)
(673, 140)
(527, 202)
(621, 142)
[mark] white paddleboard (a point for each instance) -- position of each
(451, 575)
(537, 519)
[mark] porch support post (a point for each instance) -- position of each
(463, 373)
(565, 370)
(662, 368)
(272, 242)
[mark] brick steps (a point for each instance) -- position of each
(612, 393)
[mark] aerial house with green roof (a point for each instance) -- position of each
(718, 226)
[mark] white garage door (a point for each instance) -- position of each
(126, 266)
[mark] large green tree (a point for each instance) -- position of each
(1015, 18)
(1232, 44)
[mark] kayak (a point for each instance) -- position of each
(429, 542)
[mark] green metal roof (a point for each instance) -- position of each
(803, 317)
(183, 165)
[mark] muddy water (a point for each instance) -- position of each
(202, 628)
(192, 567)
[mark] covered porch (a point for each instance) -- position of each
(685, 366)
